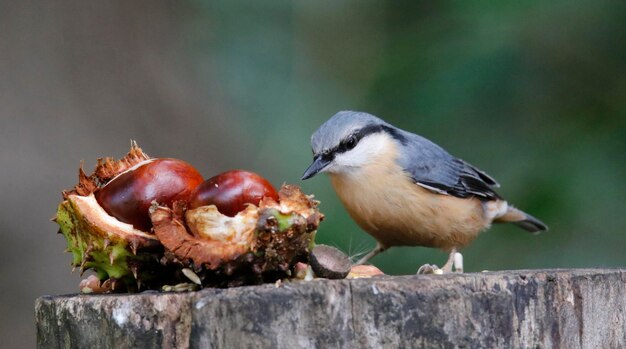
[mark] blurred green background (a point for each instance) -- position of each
(532, 92)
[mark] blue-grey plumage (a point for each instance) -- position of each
(404, 189)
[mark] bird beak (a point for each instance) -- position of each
(317, 166)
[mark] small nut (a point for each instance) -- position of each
(329, 262)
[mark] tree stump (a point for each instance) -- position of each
(583, 308)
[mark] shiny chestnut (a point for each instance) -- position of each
(231, 191)
(128, 196)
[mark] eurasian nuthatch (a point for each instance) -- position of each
(405, 190)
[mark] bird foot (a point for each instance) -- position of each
(429, 269)
(455, 261)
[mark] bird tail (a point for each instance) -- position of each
(522, 220)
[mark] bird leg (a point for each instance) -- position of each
(458, 262)
(447, 268)
(378, 249)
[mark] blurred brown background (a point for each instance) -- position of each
(533, 93)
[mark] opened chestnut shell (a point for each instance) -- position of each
(129, 195)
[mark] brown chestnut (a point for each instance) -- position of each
(128, 196)
(231, 191)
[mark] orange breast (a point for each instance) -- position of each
(386, 203)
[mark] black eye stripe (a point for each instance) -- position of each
(328, 156)
(357, 136)
(346, 144)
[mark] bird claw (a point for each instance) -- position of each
(429, 269)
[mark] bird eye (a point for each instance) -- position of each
(351, 142)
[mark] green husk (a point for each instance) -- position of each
(112, 255)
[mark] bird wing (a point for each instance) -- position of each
(431, 167)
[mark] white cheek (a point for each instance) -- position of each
(368, 149)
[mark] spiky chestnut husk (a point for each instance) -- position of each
(277, 235)
(124, 258)
(260, 244)
(128, 258)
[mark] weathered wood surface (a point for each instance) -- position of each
(513, 309)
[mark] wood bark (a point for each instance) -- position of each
(583, 308)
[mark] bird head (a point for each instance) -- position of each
(349, 141)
